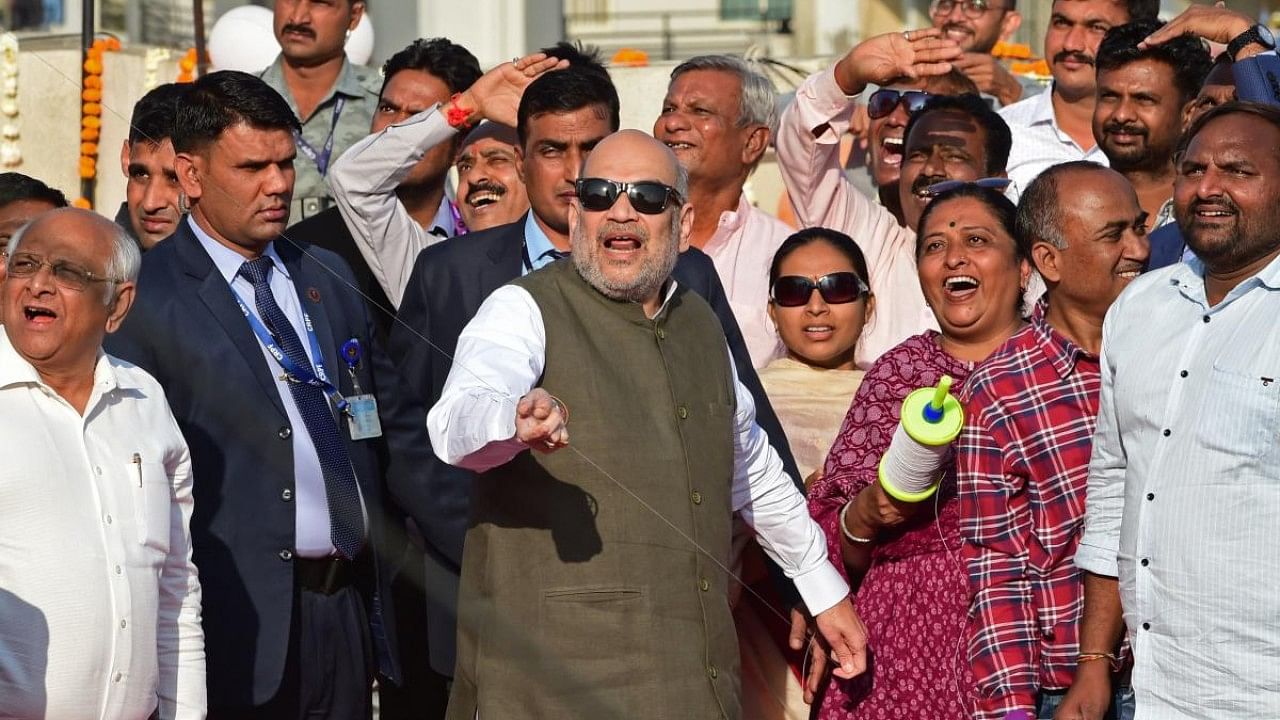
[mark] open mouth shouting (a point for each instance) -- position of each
(482, 195)
(891, 150)
(39, 315)
(958, 288)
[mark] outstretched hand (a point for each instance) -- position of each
(894, 57)
(496, 95)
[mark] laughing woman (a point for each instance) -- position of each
(912, 592)
(819, 302)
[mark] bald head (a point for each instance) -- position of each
(637, 152)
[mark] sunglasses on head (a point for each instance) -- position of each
(646, 196)
(836, 288)
(883, 101)
(992, 183)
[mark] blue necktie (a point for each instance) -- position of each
(346, 520)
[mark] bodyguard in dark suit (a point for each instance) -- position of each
(562, 115)
(267, 359)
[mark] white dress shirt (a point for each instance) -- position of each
(1184, 491)
(364, 182)
(312, 533)
(499, 358)
(99, 600)
(1038, 142)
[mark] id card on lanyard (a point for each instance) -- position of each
(321, 157)
(314, 376)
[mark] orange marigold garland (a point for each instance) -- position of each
(91, 111)
(10, 149)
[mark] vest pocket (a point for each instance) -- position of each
(599, 638)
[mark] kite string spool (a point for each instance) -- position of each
(912, 467)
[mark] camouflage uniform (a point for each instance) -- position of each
(360, 86)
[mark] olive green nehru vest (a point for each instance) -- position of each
(584, 594)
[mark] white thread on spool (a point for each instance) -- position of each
(911, 466)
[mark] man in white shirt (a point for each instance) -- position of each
(99, 599)
(718, 118)
(1182, 501)
(1057, 126)
(594, 577)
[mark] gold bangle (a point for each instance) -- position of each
(1086, 657)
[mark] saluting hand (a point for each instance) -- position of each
(893, 57)
(496, 95)
(542, 421)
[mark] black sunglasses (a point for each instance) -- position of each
(883, 101)
(992, 183)
(647, 196)
(836, 288)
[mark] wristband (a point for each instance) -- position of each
(845, 528)
(1086, 657)
(456, 115)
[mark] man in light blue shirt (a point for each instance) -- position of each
(1184, 484)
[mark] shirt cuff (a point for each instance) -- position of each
(821, 588)
(827, 102)
(1097, 560)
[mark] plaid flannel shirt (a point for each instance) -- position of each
(1022, 470)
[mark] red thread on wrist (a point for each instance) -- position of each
(456, 115)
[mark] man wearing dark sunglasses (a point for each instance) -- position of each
(583, 541)
(561, 118)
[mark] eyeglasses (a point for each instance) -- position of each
(836, 288)
(973, 9)
(66, 274)
(992, 183)
(646, 196)
(883, 101)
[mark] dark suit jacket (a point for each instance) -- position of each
(187, 330)
(449, 282)
(327, 230)
(1257, 80)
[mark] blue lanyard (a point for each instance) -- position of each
(316, 378)
(321, 159)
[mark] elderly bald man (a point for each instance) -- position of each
(99, 600)
(593, 580)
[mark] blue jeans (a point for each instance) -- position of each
(1122, 707)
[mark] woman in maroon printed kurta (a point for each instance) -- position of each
(913, 594)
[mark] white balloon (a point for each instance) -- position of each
(360, 43)
(243, 39)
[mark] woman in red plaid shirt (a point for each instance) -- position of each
(912, 593)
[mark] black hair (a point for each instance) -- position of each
(1142, 9)
(583, 84)
(16, 186)
(999, 205)
(155, 113)
(456, 67)
(225, 98)
(1266, 111)
(996, 136)
(836, 239)
(1185, 55)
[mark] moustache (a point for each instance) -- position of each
(614, 228)
(924, 181)
(1219, 202)
(298, 29)
(485, 186)
(1072, 55)
(1119, 128)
